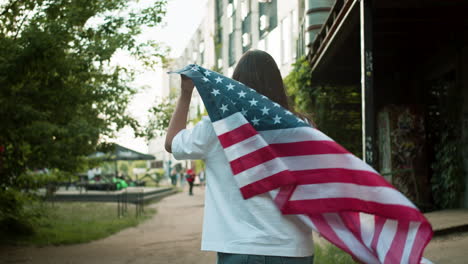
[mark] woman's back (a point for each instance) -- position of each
(232, 224)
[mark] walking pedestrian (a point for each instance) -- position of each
(190, 177)
(240, 231)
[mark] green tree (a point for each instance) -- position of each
(160, 115)
(60, 95)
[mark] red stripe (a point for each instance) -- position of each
(333, 205)
(352, 221)
(379, 223)
(316, 176)
(252, 159)
(284, 195)
(327, 232)
(270, 183)
(237, 135)
(285, 150)
(421, 240)
(395, 251)
(360, 177)
(302, 148)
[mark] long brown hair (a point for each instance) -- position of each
(258, 70)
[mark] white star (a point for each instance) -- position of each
(219, 80)
(255, 121)
(205, 79)
(264, 97)
(241, 94)
(265, 110)
(253, 102)
(287, 112)
(224, 108)
(244, 112)
(195, 68)
(230, 87)
(215, 92)
(300, 120)
(207, 73)
(276, 104)
(233, 102)
(277, 119)
(252, 90)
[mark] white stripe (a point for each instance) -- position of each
(296, 163)
(355, 246)
(306, 219)
(229, 123)
(382, 195)
(288, 135)
(245, 147)
(412, 231)
(278, 136)
(426, 261)
(367, 223)
(260, 172)
(386, 238)
(273, 193)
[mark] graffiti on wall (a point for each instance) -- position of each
(401, 143)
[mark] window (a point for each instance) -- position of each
(268, 13)
(245, 40)
(286, 40)
(232, 48)
(245, 8)
(156, 164)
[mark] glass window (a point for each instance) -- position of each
(286, 40)
(245, 8)
(232, 58)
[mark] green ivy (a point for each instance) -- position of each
(447, 178)
(335, 110)
(298, 86)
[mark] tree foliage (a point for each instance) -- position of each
(335, 110)
(60, 95)
(160, 116)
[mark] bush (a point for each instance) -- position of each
(16, 215)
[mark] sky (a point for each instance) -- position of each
(181, 21)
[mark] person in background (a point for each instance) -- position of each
(190, 177)
(173, 177)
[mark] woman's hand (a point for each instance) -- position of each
(186, 84)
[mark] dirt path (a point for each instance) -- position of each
(172, 236)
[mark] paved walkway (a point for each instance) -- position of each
(173, 236)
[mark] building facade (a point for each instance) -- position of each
(272, 26)
(284, 29)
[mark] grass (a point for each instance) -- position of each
(73, 222)
(329, 254)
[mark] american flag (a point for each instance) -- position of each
(310, 175)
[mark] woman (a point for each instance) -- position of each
(240, 231)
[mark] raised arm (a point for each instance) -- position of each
(179, 117)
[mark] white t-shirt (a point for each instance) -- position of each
(231, 224)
